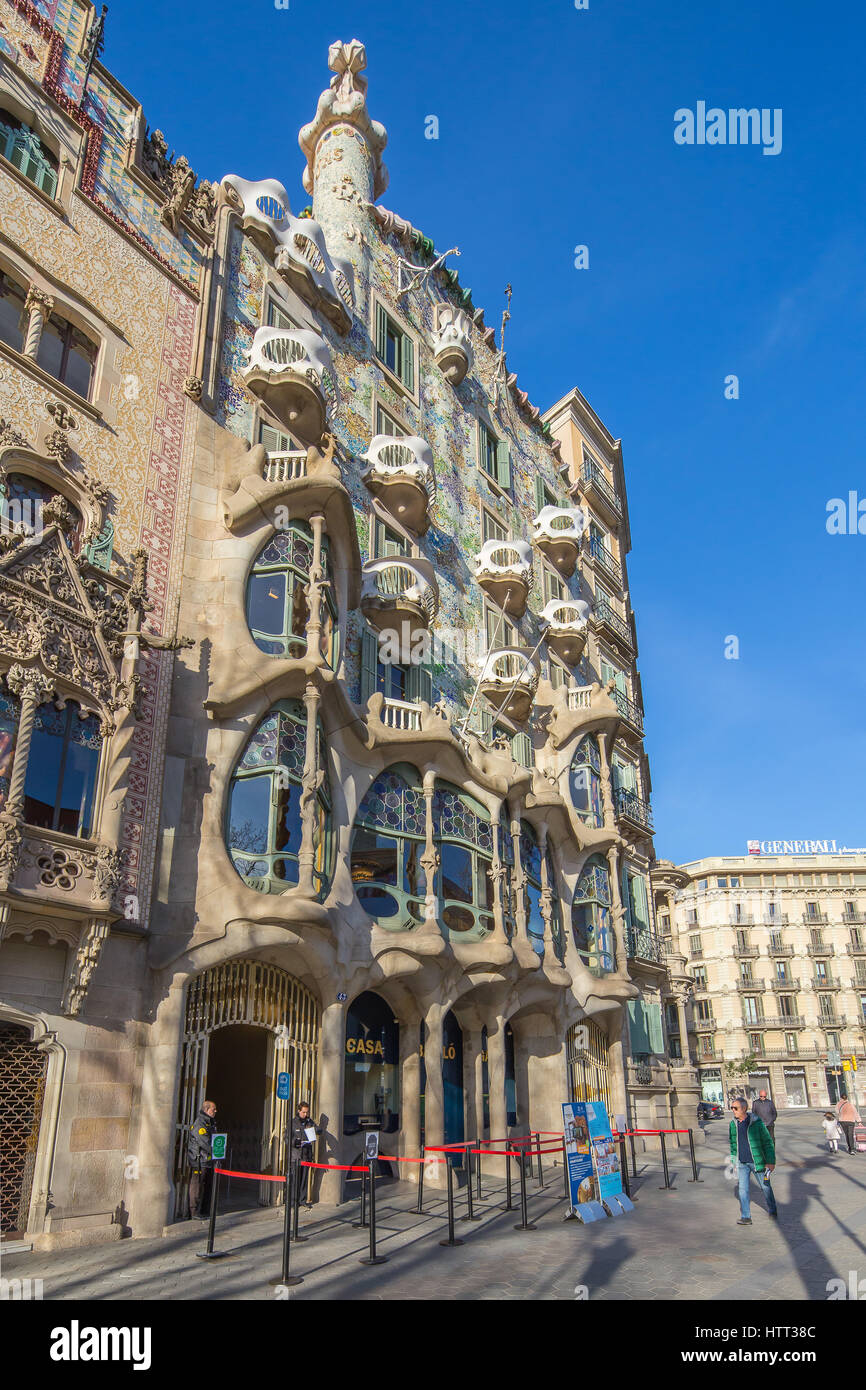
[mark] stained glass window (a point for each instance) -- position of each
(585, 782)
(387, 845)
(62, 768)
(530, 859)
(464, 834)
(264, 824)
(591, 916)
(277, 607)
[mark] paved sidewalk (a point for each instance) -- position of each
(679, 1244)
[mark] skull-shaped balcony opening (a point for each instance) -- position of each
(452, 346)
(558, 532)
(400, 473)
(566, 628)
(285, 372)
(509, 681)
(400, 595)
(504, 571)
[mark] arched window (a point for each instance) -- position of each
(464, 833)
(371, 1087)
(585, 782)
(23, 148)
(591, 917)
(13, 316)
(530, 860)
(277, 609)
(22, 500)
(62, 769)
(264, 826)
(67, 354)
(387, 845)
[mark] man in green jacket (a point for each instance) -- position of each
(753, 1151)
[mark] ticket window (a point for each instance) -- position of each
(371, 1097)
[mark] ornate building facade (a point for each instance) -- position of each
(769, 952)
(330, 628)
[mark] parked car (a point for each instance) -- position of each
(708, 1110)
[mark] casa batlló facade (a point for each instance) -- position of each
(321, 722)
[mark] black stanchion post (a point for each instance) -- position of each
(524, 1215)
(478, 1173)
(538, 1153)
(286, 1277)
(623, 1163)
(210, 1253)
(421, 1167)
(565, 1182)
(694, 1177)
(299, 1171)
(452, 1240)
(667, 1182)
(362, 1224)
(633, 1159)
(509, 1205)
(470, 1210)
(373, 1258)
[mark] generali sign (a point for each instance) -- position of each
(799, 847)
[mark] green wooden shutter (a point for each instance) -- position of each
(637, 1027)
(521, 749)
(408, 355)
(369, 663)
(419, 683)
(656, 1033)
(503, 464)
(381, 333)
(540, 499)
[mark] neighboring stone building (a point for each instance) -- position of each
(395, 803)
(770, 950)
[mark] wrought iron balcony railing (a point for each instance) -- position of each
(628, 709)
(604, 613)
(628, 805)
(592, 477)
(605, 561)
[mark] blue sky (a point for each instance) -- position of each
(556, 129)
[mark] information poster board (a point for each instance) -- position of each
(591, 1152)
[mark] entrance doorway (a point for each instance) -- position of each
(452, 1079)
(22, 1087)
(836, 1088)
(238, 1083)
(795, 1086)
(246, 1007)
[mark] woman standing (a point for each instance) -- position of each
(848, 1118)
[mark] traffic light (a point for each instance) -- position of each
(853, 1061)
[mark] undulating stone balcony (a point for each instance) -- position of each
(566, 628)
(400, 473)
(452, 345)
(285, 371)
(73, 874)
(509, 680)
(558, 532)
(399, 592)
(504, 571)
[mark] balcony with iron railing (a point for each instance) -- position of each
(791, 1021)
(566, 628)
(819, 948)
(285, 370)
(777, 949)
(509, 680)
(815, 919)
(643, 945)
(504, 571)
(558, 532)
(399, 593)
(745, 919)
(595, 484)
(775, 919)
(400, 473)
(856, 948)
(605, 561)
(834, 1020)
(784, 985)
(751, 985)
(630, 712)
(853, 916)
(826, 982)
(605, 615)
(704, 1025)
(629, 806)
(746, 952)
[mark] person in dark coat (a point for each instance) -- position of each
(765, 1110)
(303, 1146)
(201, 1160)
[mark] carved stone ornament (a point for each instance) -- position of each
(193, 387)
(154, 156)
(83, 964)
(29, 682)
(10, 438)
(345, 100)
(10, 849)
(181, 183)
(202, 207)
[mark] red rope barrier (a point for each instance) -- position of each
(259, 1177)
(335, 1167)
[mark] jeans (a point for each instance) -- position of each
(744, 1175)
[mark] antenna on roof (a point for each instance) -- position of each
(422, 272)
(499, 375)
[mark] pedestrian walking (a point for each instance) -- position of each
(765, 1110)
(199, 1153)
(753, 1151)
(832, 1131)
(848, 1117)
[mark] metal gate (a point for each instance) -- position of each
(588, 1067)
(22, 1088)
(259, 995)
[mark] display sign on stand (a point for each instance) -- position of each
(592, 1155)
